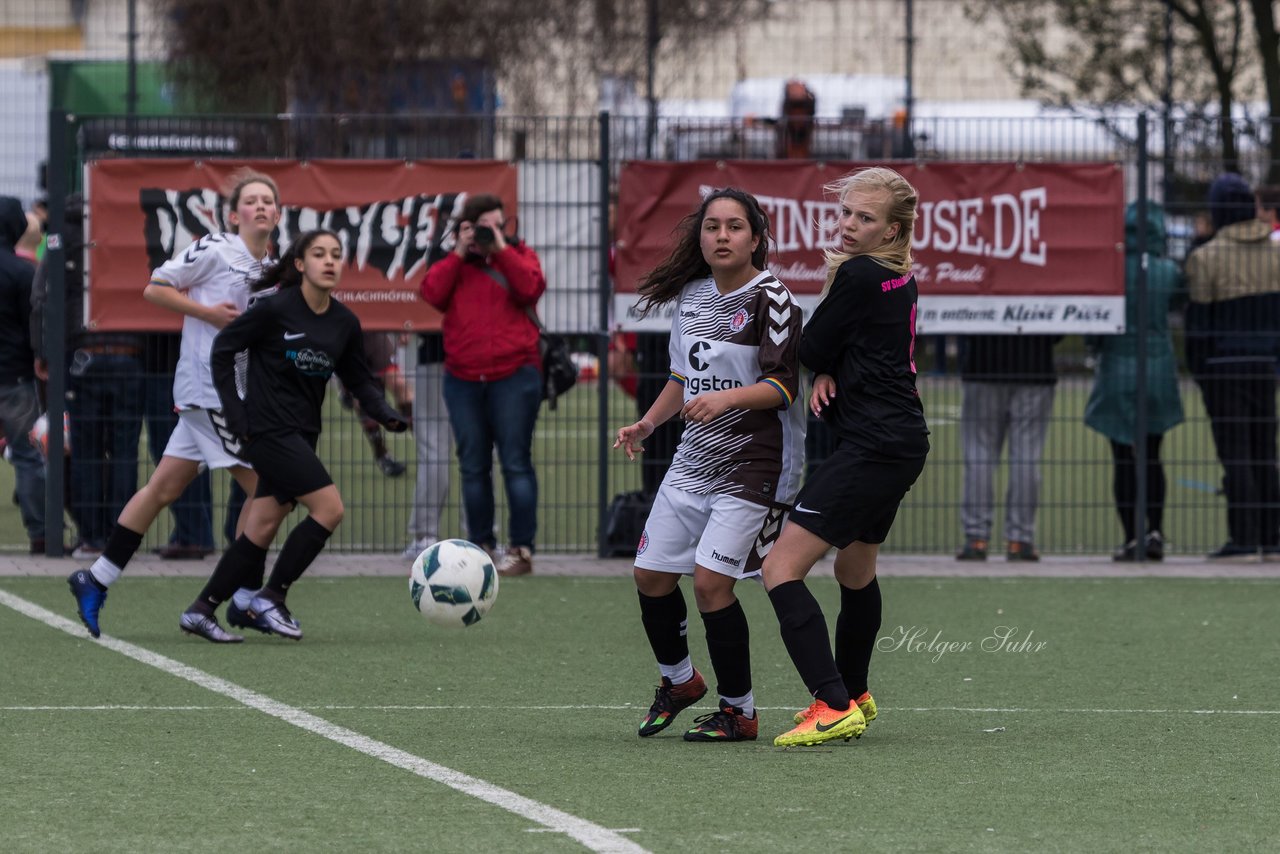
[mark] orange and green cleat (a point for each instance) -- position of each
(728, 724)
(669, 700)
(823, 723)
(866, 703)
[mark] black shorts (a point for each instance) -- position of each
(853, 496)
(287, 466)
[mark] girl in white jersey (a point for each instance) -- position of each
(734, 377)
(208, 283)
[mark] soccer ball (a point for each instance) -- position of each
(39, 434)
(453, 583)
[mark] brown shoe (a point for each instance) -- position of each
(1021, 551)
(517, 561)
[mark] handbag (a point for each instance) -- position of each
(559, 373)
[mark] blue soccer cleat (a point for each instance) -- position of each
(90, 596)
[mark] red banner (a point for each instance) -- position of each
(997, 247)
(390, 214)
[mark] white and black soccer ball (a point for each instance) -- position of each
(453, 583)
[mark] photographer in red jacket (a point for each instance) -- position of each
(492, 371)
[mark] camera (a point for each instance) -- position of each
(484, 235)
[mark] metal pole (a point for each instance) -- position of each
(908, 141)
(55, 326)
(1140, 364)
(604, 280)
(1166, 179)
(651, 60)
(131, 84)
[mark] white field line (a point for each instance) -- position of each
(592, 836)
(333, 707)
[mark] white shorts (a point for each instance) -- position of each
(201, 435)
(723, 533)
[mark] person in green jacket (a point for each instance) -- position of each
(1112, 406)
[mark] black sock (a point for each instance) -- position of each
(729, 642)
(665, 620)
(804, 633)
(856, 630)
(230, 573)
(122, 545)
(299, 550)
(255, 569)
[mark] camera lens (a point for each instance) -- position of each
(484, 234)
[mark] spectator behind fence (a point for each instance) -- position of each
(492, 373)
(434, 441)
(104, 396)
(1233, 326)
(1112, 405)
(19, 402)
(1007, 387)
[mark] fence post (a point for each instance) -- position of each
(55, 327)
(602, 340)
(1140, 364)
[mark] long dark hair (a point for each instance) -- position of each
(285, 273)
(685, 263)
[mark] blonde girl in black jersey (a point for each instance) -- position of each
(860, 343)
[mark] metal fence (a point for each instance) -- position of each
(567, 167)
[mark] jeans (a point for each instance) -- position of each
(105, 402)
(1241, 403)
(500, 414)
(19, 409)
(193, 510)
(431, 435)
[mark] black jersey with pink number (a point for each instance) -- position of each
(863, 333)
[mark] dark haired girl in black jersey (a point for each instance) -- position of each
(296, 336)
(734, 378)
(860, 343)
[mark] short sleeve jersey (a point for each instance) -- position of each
(721, 341)
(215, 269)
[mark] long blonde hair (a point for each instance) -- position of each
(896, 254)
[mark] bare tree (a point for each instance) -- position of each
(337, 54)
(1108, 53)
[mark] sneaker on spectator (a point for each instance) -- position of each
(1234, 553)
(86, 551)
(1021, 551)
(974, 549)
(417, 547)
(517, 561)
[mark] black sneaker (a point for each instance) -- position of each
(1234, 553)
(974, 549)
(1020, 551)
(669, 700)
(1155, 546)
(206, 626)
(728, 724)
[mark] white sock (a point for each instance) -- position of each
(243, 597)
(747, 703)
(105, 572)
(678, 673)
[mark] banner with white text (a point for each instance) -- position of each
(998, 247)
(391, 216)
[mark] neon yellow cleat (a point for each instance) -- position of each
(866, 703)
(822, 723)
